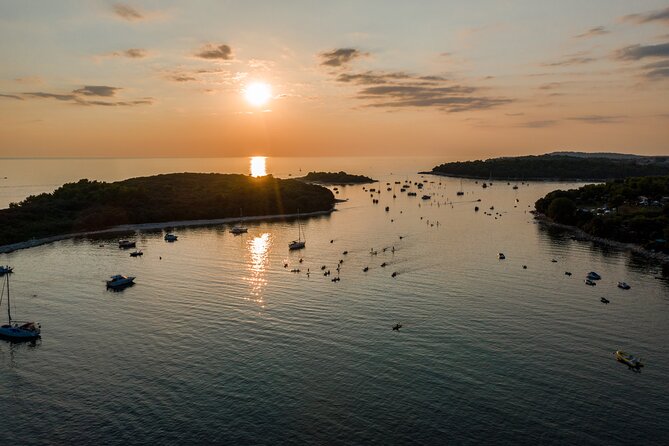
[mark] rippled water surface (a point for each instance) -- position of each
(219, 342)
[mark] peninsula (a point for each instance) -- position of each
(562, 166)
(94, 205)
(335, 178)
(634, 210)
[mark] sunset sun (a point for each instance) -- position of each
(258, 94)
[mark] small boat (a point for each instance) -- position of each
(501, 256)
(240, 228)
(17, 331)
(554, 261)
(365, 269)
(593, 276)
(5, 270)
(460, 192)
(171, 237)
(397, 327)
(604, 300)
(125, 244)
(394, 274)
(412, 194)
(387, 208)
(515, 187)
(426, 197)
(476, 208)
(567, 273)
(623, 286)
(484, 185)
(590, 282)
(628, 359)
(136, 254)
(299, 243)
(119, 281)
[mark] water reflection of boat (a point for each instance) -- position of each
(17, 331)
(590, 282)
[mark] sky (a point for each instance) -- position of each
(460, 79)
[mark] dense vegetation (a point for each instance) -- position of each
(336, 178)
(90, 205)
(634, 210)
(557, 167)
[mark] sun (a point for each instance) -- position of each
(258, 93)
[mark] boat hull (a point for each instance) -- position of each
(18, 334)
(296, 245)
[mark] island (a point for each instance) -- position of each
(95, 205)
(335, 178)
(558, 166)
(633, 210)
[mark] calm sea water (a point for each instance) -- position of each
(218, 342)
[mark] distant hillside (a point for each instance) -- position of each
(92, 205)
(338, 178)
(559, 166)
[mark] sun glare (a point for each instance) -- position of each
(258, 166)
(258, 93)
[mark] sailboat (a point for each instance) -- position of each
(240, 228)
(299, 243)
(460, 192)
(17, 331)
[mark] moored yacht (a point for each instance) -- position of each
(5, 269)
(299, 243)
(17, 331)
(240, 228)
(623, 286)
(119, 281)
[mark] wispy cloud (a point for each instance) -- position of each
(80, 96)
(636, 52)
(657, 70)
(377, 78)
(127, 12)
(599, 119)
(181, 78)
(659, 15)
(210, 51)
(538, 124)
(571, 59)
(130, 53)
(340, 56)
(11, 96)
(97, 90)
(593, 32)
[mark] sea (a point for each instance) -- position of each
(234, 339)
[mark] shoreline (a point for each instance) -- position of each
(6, 249)
(630, 247)
(526, 180)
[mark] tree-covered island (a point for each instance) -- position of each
(559, 166)
(95, 205)
(634, 210)
(335, 178)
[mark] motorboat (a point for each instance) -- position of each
(590, 282)
(299, 243)
(397, 327)
(623, 286)
(136, 254)
(411, 194)
(5, 270)
(426, 197)
(120, 281)
(17, 331)
(628, 359)
(593, 276)
(604, 300)
(171, 237)
(125, 244)
(501, 256)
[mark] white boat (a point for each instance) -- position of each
(240, 228)
(17, 331)
(119, 281)
(5, 269)
(623, 286)
(171, 237)
(125, 244)
(299, 243)
(628, 359)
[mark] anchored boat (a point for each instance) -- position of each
(17, 331)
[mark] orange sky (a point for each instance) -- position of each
(439, 78)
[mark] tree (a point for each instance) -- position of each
(562, 210)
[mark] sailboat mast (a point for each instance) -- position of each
(9, 309)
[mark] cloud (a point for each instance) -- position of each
(209, 51)
(660, 15)
(81, 96)
(127, 12)
(571, 59)
(131, 53)
(181, 78)
(29, 80)
(97, 90)
(599, 119)
(378, 78)
(11, 96)
(550, 86)
(657, 70)
(592, 32)
(538, 124)
(636, 52)
(340, 56)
